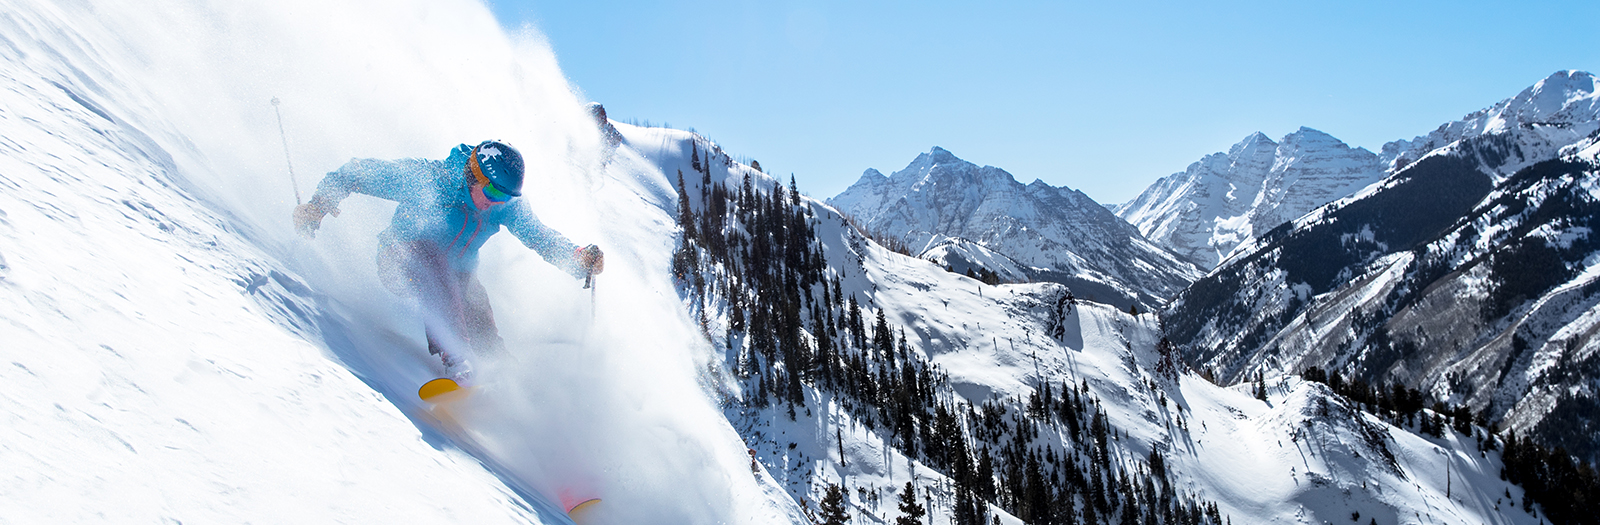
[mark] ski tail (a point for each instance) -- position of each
(442, 390)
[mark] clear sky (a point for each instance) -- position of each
(1104, 97)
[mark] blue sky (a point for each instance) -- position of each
(1103, 97)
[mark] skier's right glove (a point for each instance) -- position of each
(308, 216)
(591, 259)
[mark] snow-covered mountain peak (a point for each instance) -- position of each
(1541, 119)
(939, 155)
(940, 166)
(872, 177)
(1224, 199)
(1563, 93)
(1307, 137)
(1253, 142)
(1057, 233)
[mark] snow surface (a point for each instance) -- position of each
(179, 354)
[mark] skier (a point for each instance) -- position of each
(447, 210)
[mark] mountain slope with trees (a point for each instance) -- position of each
(853, 370)
(1461, 275)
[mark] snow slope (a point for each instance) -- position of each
(1225, 199)
(154, 367)
(179, 354)
(1304, 456)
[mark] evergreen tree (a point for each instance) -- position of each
(882, 340)
(1167, 366)
(686, 259)
(832, 509)
(910, 512)
(857, 331)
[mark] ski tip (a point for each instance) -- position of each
(441, 390)
(576, 510)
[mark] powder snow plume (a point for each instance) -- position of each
(603, 394)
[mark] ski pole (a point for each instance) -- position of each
(285, 138)
(589, 283)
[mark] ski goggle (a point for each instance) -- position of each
(490, 191)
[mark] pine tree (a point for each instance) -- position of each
(910, 512)
(857, 331)
(1167, 366)
(882, 339)
(832, 507)
(686, 259)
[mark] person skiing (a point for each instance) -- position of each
(446, 211)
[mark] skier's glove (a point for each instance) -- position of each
(308, 216)
(591, 259)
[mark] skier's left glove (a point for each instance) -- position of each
(308, 216)
(591, 259)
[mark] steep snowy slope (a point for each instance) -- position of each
(1451, 276)
(163, 322)
(1225, 199)
(1305, 455)
(155, 366)
(1060, 234)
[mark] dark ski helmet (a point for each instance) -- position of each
(501, 164)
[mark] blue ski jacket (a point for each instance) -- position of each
(434, 206)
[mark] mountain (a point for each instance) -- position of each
(1469, 273)
(1078, 409)
(1053, 234)
(1532, 126)
(1225, 199)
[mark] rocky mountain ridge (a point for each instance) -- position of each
(1469, 273)
(1055, 234)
